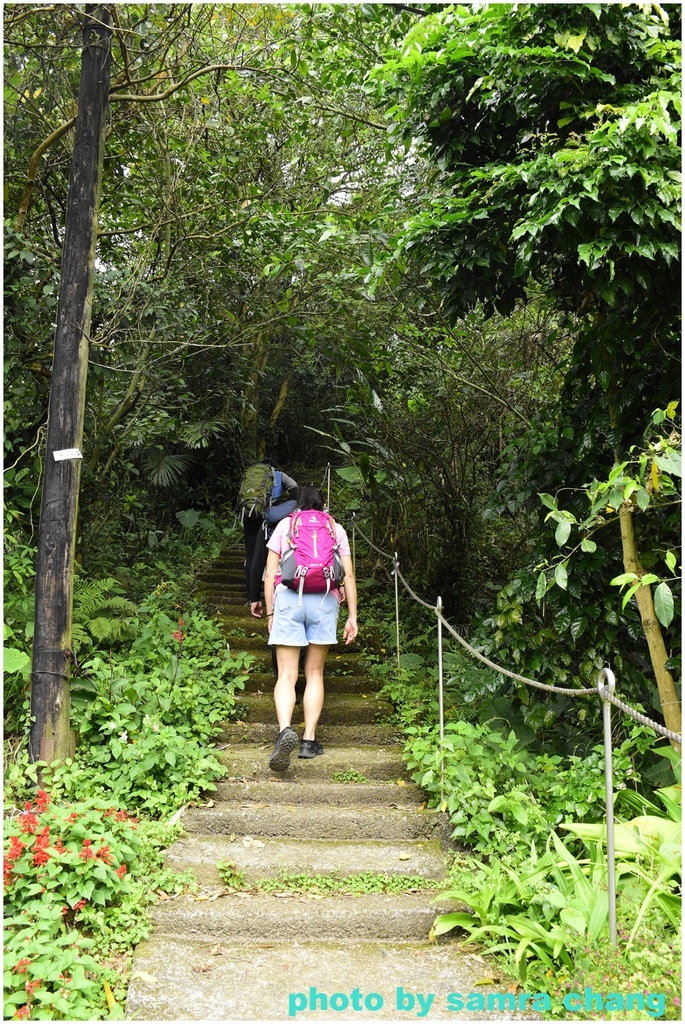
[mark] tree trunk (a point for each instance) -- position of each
(50, 704)
(670, 705)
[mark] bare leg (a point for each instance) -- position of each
(284, 690)
(312, 702)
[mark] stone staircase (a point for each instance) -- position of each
(245, 954)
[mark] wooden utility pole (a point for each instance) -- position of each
(50, 703)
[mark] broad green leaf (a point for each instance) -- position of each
(541, 588)
(574, 918)
(548, 501)
(561, 576)
(562, 532)
(663, 604)
(15, 661)
(671, 560)
(588, 545)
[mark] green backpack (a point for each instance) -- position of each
(255, 493)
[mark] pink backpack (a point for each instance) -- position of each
(312, 563)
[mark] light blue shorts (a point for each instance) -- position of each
(314, 621)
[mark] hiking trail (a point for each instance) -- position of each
(279, 955)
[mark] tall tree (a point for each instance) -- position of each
(50, 703)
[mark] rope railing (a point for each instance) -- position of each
(605, 689)
(568, 691)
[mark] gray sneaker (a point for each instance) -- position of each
(286, 741)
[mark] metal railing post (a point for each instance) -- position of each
(606, 683)
(396, 565)
(438, 612)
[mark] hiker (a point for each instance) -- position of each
(309, 556)
(262, 487)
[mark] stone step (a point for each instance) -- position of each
(264, 734)
(264, 682)
(378, 763)
(338, 709)
(345, 793)
(271, 858)
(176, 979)
(322, 821)
(253, 917)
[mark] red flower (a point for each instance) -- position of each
(40, 857)
(28, 822)
(121, 816)
(86, 853)
(80, 905)
(21, 965)
(42, 800)
(17, 847)
(65, 911)
(31, 986)
(178, 635)
(121, 871)
(73, 817)
(23, 1012)
(59, 845)
(104, 854)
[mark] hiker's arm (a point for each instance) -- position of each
(254, 594)
(350, 631)
(289, 484)
(269, 577)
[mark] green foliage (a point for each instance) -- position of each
(100, 616)
(57, 860)
(349, 775)
(145, 719)
(640, 483)
(499, 796)
(359, 884)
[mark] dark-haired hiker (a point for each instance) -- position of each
(308, 620)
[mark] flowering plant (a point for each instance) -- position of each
(58, 860)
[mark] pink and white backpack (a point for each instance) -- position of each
(311, 564)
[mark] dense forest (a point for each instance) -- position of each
(433, 248)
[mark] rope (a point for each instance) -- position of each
(643, 719)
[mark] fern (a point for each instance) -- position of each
(100, 615)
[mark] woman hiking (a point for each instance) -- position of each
(309, 555)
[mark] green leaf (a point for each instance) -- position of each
(548, 501)
(663, 604)
(671, 560)
(541, 588)
(588, 545)
(562, 532)
(561, 576)
(15, 661)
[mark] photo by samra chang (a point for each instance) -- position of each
(420, 1004)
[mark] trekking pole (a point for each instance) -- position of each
(328, 485)
(606, 676)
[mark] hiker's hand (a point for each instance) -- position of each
(256, 609)
(350, 630)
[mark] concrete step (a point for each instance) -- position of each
(377, 762)
(264, 682)
(340, 794)
(258, 917)
(264, 734)
(338, 708)
(176, 979)
(322, 821)
(270, 858)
